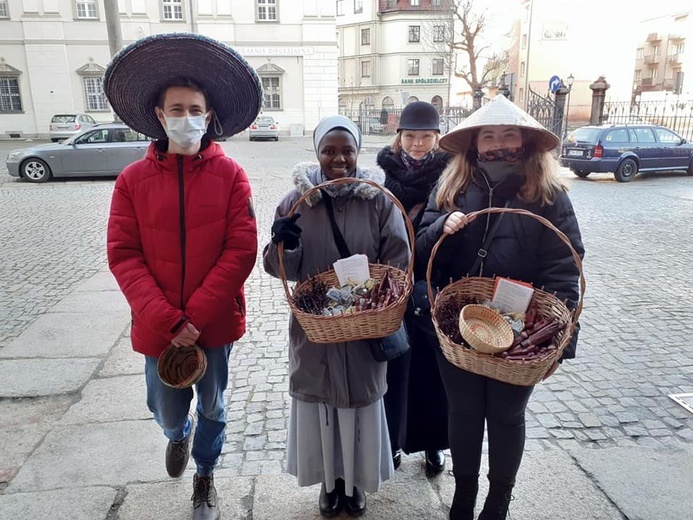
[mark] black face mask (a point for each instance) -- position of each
(497, 171)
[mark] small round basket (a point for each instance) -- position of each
(367, 324)
(479, 289)
(181, 367)
(485, 329)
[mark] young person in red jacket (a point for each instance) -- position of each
(182, 235)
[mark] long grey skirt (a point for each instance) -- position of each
(326, 443)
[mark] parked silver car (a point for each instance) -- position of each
(264, 127)
(64, 126)
(103, 150)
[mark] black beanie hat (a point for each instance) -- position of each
(419, 115)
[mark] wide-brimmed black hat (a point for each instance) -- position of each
(498, 111)
(134, 79)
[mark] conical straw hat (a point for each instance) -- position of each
(498, 111)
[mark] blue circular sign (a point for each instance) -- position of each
(554, 84)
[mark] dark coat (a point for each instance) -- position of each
(415, 402)
(523, 248)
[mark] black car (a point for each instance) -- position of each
(625, 150)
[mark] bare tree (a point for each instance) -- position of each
(464, 50)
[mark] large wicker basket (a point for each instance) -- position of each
(368, 324)
(478, 289)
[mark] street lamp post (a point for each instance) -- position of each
(569, 80)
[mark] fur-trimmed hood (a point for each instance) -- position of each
(306, 175)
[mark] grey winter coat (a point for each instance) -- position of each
(344, 375)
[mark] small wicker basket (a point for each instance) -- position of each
(181, 367)
(485, 329)
(368, 324)
(479, 289)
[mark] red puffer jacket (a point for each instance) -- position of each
(182, 240)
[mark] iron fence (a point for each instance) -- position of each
(385, 121)
(677, 115)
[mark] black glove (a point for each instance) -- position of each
(286, 230)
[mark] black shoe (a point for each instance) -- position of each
(204, 499)
(435, 462)
(464, 501)
(177, 455)
(396, 458)
(355, 505)
(497, 501)
(331, 503)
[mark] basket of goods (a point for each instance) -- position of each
(181, 367)
(331, 312)
(474, 339)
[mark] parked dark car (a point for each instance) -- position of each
(625, 150)
(102, 150)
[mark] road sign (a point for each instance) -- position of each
(554, 84)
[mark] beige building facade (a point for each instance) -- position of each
(53, 54)
(391, 53)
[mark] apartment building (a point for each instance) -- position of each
(392, 52)
(53, 54)
(661, 58)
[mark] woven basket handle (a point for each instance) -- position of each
(474, 214)
(347, 180)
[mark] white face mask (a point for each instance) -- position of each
(186, 131)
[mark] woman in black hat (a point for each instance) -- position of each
(415, 401)
(502, 157)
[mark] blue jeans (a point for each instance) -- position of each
(170, 407)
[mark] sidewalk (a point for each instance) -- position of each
(85, 446)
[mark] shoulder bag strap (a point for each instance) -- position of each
(338, 237)
(483, 251)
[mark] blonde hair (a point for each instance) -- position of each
(541, 182)
(396, 145)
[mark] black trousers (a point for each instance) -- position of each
(474, 400)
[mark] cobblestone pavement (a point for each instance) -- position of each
(635, 347)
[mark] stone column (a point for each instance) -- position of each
(599, 89)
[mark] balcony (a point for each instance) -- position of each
(674, 59)
(676, 37)
(654, 37)
(651, 59)
(646, 82)
(668, 84)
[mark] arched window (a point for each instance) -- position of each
(412, 99)
(388, 102)
(437, 102)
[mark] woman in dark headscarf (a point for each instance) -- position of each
(415, 402)
(337, 430)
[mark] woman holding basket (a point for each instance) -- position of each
(502, 158)
(415, 400)
(337, 429)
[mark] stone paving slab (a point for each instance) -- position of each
(647, 484)
(105, 303)
(111, 399)
(58, 334)
(41, 377)
(88, 503)
(101, 281)
(122, 360)
(171, 500)
(107, 454)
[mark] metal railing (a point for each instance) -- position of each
(675, 114)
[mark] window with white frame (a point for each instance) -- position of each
(271, 86)
(340, 7)
(680, 48)
(414, 3)
(267, 10)
(93, 93)
(358, 6)
(86, 9)
(365, 69)
(640, 53)
(438, 33)
(414, 33)
(413, 67)
(655, 50)
(638, 75)
(4, 13)
(10, 100)
(438, 66)
(435, 3)
(172, 9)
